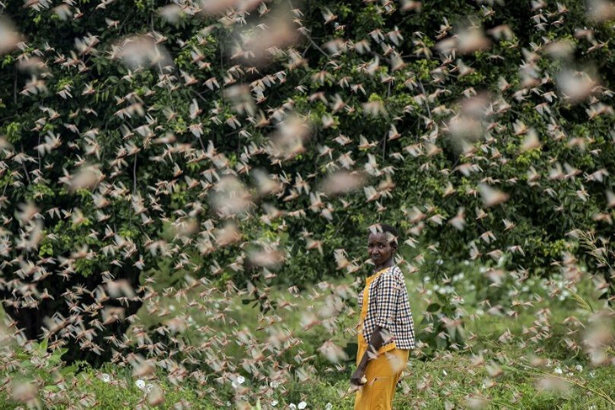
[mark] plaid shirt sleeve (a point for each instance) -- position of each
(386, 296)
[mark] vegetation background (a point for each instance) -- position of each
(187, 187)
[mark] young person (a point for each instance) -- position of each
(386, 329)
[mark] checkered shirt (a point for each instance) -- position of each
(389, 308)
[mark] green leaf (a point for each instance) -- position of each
(434, 307)
(43, 345)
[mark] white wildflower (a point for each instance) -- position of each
(140, 384)
(105, 377)
(302, 405)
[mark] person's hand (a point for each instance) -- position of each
(357, 381)
(358, 378)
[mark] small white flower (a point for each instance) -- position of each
(274, 384)
(140, 384)
(105, 377)
(328, 406)
(579, 368)
(292, 406)
(302, 405)
(240, 379)
(274, 403)
(558, 371)
(439, 261)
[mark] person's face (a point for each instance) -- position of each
(379, 247)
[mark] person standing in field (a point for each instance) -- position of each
(386, 329)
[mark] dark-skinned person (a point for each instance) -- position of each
(386, 329)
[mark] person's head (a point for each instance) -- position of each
(382, 243)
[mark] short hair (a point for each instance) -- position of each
(385, 228)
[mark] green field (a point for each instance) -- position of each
(524, 351)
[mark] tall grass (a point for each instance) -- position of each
(524, 349)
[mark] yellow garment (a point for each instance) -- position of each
(383, 372)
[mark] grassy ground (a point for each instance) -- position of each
(524, 350)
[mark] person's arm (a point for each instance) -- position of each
(375, 343)
(386, 299)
